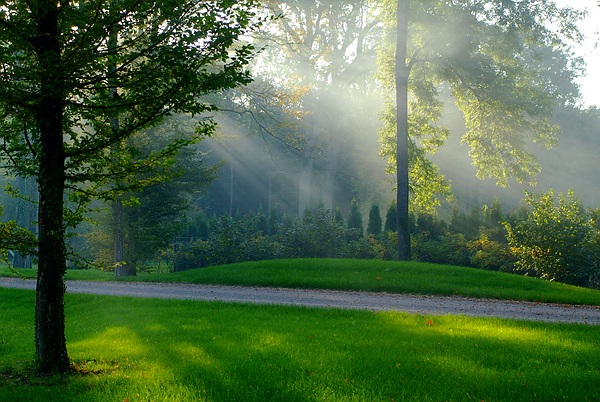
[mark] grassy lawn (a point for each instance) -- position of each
(368, 275)
(165, 350)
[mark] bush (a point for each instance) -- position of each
(450, 248)
(315, 235)
(491, 255)
(559, 240)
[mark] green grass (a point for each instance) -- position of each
(161, 350)
(369, 275)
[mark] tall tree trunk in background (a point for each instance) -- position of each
(305, 180)
(331, 166)
(50, 342)
(231, 188)
(270, 190)
(402, 71)
(123, 265)
(334, 127)
(25, 216)
(305, 185)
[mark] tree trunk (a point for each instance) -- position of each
(305, 180)
(50, 342)
(25, 216)
(333, 153)
(231, 188)
(402, 192)
(123, 265)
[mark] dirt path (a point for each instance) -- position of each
(336, 299)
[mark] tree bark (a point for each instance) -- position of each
(51, 350)
(118, 232)
(402, 192)
(123, 267)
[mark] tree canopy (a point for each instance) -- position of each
(68, 69)
(491, 58)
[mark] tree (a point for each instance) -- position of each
(355, 222)
(328, 47)
(374, 225)
(163, 207)
(152, 217)
(21, 207)
(402, 189)
(491, 57)
(390, 218)
(15, 238)
(61, 85)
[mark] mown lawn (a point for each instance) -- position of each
(129, 349)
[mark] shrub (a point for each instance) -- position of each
(450, 248)
(355, 221)
(491, 255)
(317, 234)
(558, 239)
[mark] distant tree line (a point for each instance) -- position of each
(550, 236)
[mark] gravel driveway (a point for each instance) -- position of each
(337, 299)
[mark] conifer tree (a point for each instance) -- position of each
(374, 226)
(355, 221)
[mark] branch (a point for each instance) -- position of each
(262, 127)
(29, 145)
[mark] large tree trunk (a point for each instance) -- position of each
(402, 72)
(51, 349)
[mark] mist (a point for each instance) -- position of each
(306, 133)
(335, 117)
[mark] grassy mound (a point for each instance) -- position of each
(371, 276)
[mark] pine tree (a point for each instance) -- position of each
(374, 226)
(355, 221)
(390, 218)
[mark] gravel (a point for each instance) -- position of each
(429, 305)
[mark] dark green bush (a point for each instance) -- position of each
(491, 255)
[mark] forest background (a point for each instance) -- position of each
(295, 168)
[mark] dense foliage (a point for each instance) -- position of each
(80, 78)
(15, 239)
(559, 239)
(553, 242)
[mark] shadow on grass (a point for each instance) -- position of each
(197, 351)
